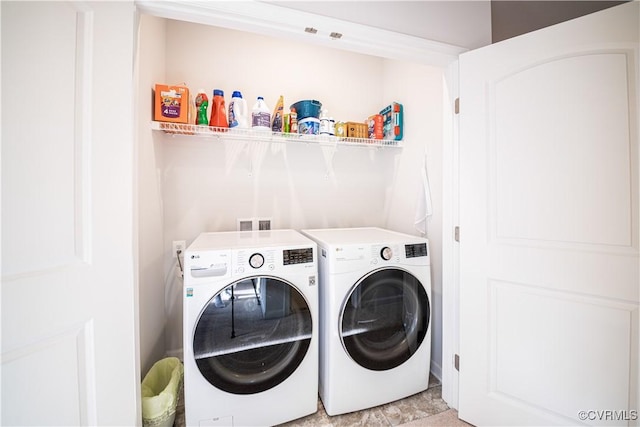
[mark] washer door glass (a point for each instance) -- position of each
(385, 319)
(252, 335)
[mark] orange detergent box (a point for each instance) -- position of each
(171, 104)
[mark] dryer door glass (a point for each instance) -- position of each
(252, 335)
(385, 319)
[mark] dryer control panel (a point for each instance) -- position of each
(344, 258)
(385, 253)
(415, 250)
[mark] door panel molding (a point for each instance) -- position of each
(83, 131)
(517, 204)
(38, 214)
(76, 373)
(599, 326)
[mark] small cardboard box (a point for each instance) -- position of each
(357, 130)
(171, 104)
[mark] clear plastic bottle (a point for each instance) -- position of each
(238, 115)
(276, 119)
(218, 110)
(324, 122)
(260, 115)
(293, 121)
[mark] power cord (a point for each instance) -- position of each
(178, 252)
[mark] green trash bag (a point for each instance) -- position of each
(160, 388)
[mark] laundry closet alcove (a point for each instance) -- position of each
(189, 185)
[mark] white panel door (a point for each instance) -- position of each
(549, 225)
(68, 317)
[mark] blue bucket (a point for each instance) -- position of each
(307, 108)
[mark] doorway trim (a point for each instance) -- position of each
(268, 19)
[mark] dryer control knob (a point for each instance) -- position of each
(386, 253)
(256, 260)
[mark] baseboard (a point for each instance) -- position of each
(436, 371)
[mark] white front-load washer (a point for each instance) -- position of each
(375, 340)
(250, 328)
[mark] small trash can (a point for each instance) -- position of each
(160, 388)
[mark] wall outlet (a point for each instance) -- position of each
(178, 245)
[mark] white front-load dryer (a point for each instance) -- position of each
(375, 340)
(250, 328)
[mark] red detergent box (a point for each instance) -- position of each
(392, 117)
(375, 126)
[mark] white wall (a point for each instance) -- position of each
(208, 184)
(151, 68)
(420, 89)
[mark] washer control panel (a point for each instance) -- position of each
(252, 260)
(297, 256)
(386, 253)
(249, 260)
(256, 260)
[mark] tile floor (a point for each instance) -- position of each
(420, 410)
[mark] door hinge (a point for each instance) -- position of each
(456, 362)
(456, 106)
(456, 233)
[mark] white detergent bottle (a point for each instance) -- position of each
(324, 122)
(238, 114)
(260, 115)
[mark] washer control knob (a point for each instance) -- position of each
(386, 253)
(256, 260)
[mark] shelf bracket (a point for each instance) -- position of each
(232, 154)
(328, 152)
(257, 152)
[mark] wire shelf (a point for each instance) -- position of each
(266, 135)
